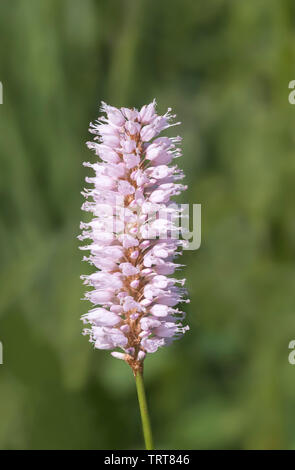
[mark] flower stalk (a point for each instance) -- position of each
(145, 419)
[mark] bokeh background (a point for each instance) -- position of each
(224, 66)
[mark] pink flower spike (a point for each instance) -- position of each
(132, 253)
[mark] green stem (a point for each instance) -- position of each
(146, 426)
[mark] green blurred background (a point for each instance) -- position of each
(224, 67)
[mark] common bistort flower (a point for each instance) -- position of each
(134, 237)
